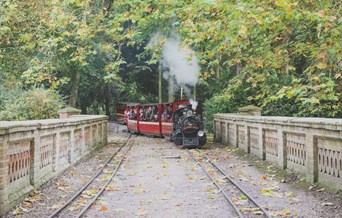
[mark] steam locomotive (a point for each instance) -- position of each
(188, 129)
(176, 120)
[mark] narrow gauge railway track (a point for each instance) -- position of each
(62, 210)
(247, 210)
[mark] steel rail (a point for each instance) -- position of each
(56, 212)
(104, 187)
(217, 185)
(234, 183)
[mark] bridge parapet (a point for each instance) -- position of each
(33, 152)
(309, 146)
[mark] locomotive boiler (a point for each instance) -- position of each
(188, 129)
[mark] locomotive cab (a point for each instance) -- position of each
(188, 129)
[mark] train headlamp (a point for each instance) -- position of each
(189, 113)
(200, 133)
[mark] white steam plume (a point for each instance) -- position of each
(178, 63)
(194, 103)
(181, 62)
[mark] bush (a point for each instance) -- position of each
(218, 104)
(37, 103)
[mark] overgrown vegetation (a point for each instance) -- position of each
(283, 55)
(32, 104)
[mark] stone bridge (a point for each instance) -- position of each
(309, 146)
(32, 152)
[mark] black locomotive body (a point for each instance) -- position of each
(188, 129)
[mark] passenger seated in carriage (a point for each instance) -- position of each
(154, 116)
(132, 115)
(148, 113)
(142, 114)
(167, 114)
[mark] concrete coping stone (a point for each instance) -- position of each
(329, 123)
(69, 110)
(28, 125)
(249, 108)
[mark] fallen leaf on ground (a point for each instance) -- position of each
(320, 190)
(136, 192)
(289, 194)
(165, 165)
(212, 172)
(63, 188)
(18, 211)
(214, 191)
(57, 205)
(111, 188)
(294, 201)
(142, 212)
(107, 171)
(82, 201)
(263, 177)
(105, 178)
(34, 198)
(243, 197)
(327, 204)
(282, 213)
(90, 192)
(268, 192)
(258, 212)
(27, 205)
(239, 202)
(103, 208)
(254, 183)
(74, 208)
(211, 197)
(250, 209)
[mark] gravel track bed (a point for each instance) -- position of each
(282, 192)
(43, 202)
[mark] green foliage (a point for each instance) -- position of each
(36, 103)
(288, 52)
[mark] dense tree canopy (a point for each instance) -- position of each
(282, 55)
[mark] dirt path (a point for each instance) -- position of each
(159, 179)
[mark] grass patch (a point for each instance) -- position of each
(210, 138)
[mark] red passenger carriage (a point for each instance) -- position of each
(152, 119)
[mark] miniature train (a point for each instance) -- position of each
(176, 120)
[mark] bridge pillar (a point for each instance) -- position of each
(282, 160)
(312, 158)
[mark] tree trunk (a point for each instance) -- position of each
(75, 86)
(238, 69)
(107, 99)
(160, 83)
(107, 5)
(171, 87)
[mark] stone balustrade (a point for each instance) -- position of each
(309, 146)
(32, 152)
